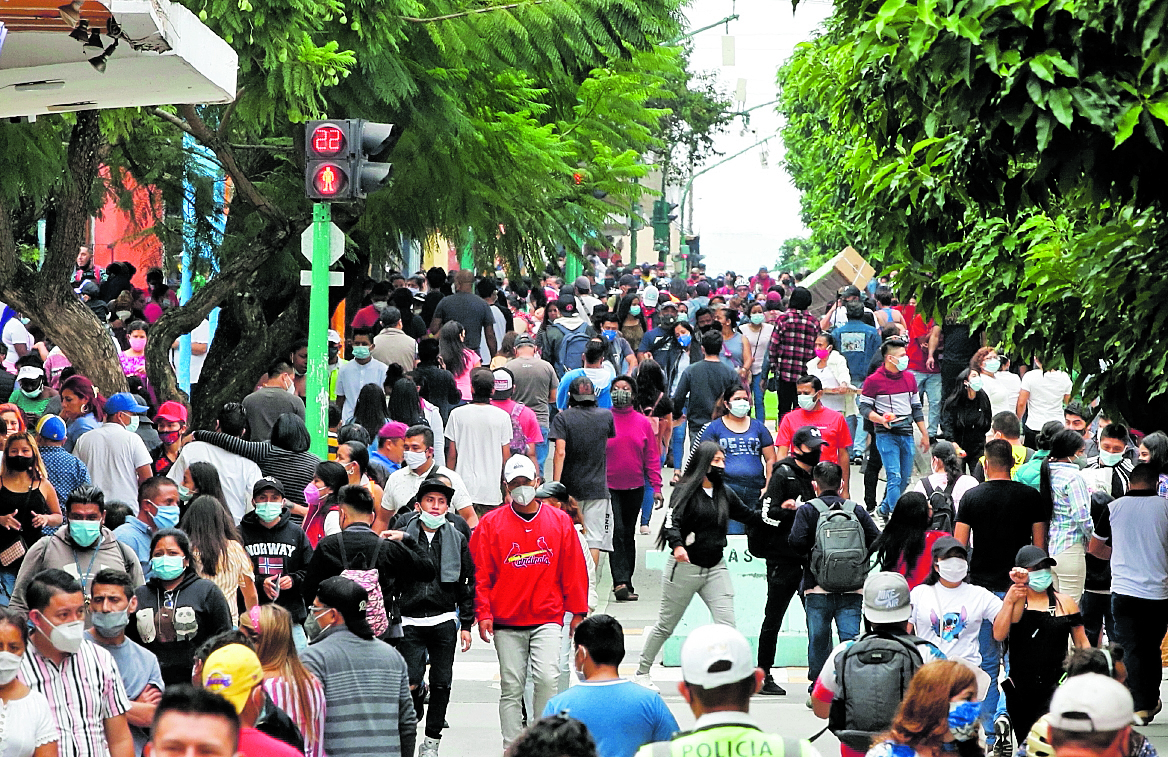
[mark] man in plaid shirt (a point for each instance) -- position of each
(792, 345)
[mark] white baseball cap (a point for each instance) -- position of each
(716, 655)
(519, 465)
(1091, 703)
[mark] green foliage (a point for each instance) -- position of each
(1005, 156)
(799, 254)
(698, 112)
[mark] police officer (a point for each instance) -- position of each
(719, 678)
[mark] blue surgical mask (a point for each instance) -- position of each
(166, 516)
(1040, 580)
(609, 334)
(84, 532)
(963, 718)
(635, 310)
(992, 365)
(110, 624)
(432, 521)
(902, 363)
(167, 567)
(685, 339)
(132, 426)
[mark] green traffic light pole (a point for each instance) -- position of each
(689, 183)
(316, 380)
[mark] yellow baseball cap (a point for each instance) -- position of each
(233, 672)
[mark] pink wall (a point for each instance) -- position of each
(119, 233)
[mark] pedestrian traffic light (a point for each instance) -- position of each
(340, 158)
(663, 215)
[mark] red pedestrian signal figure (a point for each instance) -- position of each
(329, 180)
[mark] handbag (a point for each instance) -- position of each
(13, 553)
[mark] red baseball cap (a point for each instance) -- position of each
(172, 411)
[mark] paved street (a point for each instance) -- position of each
(474, 714)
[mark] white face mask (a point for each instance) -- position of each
(66, 637)
(523, 495)
(953, 569)
(9, 667)
(414, 459)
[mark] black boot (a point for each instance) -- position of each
(770, 688)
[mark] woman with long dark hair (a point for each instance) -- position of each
(631, 317)
(218, 554)
(404, 404)
(966, 416)
(1154, 450)
(695, 530)
(905, 546)
(1065, 491)
(369, 412)
(435, 383)
(459, 359)
(946, 475)
(324, 517)
(200, 478)
(28, 504)
(285, 457)
(547, 339)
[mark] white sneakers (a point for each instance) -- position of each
(429, 747)
(644, 679)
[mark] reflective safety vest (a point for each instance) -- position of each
(728, 741)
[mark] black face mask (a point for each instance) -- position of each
(809, 458)
(715, 475)
(710, 327)
(19, 464)
(668, 320)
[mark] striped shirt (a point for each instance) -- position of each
(285, 696)
(368, 692)
(83, 693)
(1070, 523)
(292, 469)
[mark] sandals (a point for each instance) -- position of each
(623, 594)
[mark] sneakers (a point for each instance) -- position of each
(645, 680)
(770, 688)
(1003, 747)
(429, 747)
(1144, 717)
(644, 530)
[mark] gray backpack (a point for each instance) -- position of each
(839, 556)
(872, 676)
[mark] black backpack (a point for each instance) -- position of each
(944, 509)
(872, 676)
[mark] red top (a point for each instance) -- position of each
(918, 340)
(253, 743)
(924, 562)
(366, 318)
(831, 425)
(528, 573)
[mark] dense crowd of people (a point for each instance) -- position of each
(490, 441)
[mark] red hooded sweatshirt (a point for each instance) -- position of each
(528, 573)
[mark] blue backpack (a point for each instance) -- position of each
(571, 350)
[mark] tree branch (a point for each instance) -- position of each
(227, 114)
(172, 118)
(464, 14)
(223, 151)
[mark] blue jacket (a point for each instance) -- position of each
(858, 343)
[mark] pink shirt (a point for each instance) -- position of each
(462, 381)
(528, 423)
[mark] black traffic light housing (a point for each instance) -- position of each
(341, 158)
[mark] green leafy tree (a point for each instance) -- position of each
(999, 155)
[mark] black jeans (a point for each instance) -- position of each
(872, 474)
(782, 582)
(439, 642)
(786, 396)
(1140, 625)
(1096, 609)
(626, 514)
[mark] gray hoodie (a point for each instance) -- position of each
(59, 551)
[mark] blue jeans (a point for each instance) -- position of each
(994, 703)
(7, 584)
(678, 442)
(541, 449)
(750, 496)
(647, 503)
(821, 609)
(757, 391)
(858, 433)
(929, 385)
(897, 452)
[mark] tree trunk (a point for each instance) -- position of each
(46, 297)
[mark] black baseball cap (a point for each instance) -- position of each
(349, 598)
(267, 482)
(808, 436)
(435, 485)
(1033, 558)
(946, 543)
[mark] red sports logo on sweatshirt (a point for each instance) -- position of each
(541, 556)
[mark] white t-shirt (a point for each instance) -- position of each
(500, 330)
(952, 618)
(351, 376)
(479, 432)
(113, 456)
(840, 316)
(760, 342)
(237, 474)
(14, 333)
(28, 724)
(201, 335)
(1047, 389)
(941, 480)
(1002, 388)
